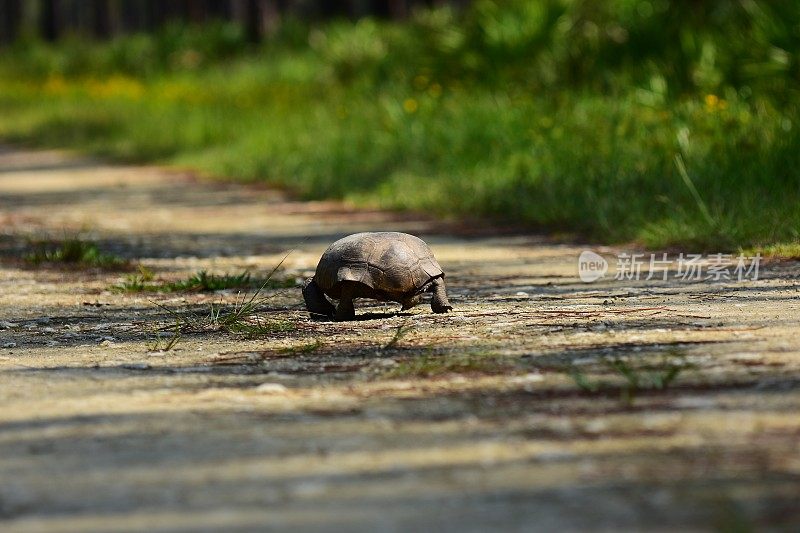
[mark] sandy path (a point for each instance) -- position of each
(469, 422)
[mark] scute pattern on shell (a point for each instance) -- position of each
(397, 263)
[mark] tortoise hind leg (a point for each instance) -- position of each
(345, 309)
(439, 302)
(315, 299)
(411, 301)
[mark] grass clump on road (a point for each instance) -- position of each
(245, 317)
(201, 281)
(666, 123)
(74, 251)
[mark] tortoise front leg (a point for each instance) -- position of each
(315, 299)
(439, 302)
(345, 309)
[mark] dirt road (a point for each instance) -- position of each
(540, 403)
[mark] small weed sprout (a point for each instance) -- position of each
(644, 377)
(431, 364)
(583, 382)
(303, 348)
(399, 333)
(138, 282)
(687, 180)
(160, 344)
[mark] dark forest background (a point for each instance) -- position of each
(51, 19)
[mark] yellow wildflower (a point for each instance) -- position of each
(55, 85)
(114, 87)
(714, 103)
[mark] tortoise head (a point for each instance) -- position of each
(411, 301)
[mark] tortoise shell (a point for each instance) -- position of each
(390, 263)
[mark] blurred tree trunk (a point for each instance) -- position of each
(69, 17)
(248, 14)
(270, 16)
(167, 11)
(48, 23)
(398, 9)
(161, 12)
(257, 17)
(114, 17)
(197, 11)
(134, 16)
(101, 21)
(10, 20)
(127, 16)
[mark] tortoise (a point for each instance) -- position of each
(385, 266)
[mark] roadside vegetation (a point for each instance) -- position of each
(74, 252)
(145, 281)
(245, 316)
(667, 123)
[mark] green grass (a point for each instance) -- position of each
(399, 333)
(433, 365)
(202, 281)
(788, 250)
(635, 376)
(245, 317)
(165, 341)
(303, 349)
(74, 251)
(670, 124)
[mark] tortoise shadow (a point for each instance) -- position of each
(362, 317)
